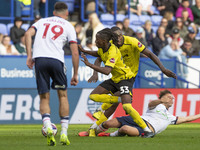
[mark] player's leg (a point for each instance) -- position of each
(43, 87)
(126, 96)
(64, 115)
(128, 130)
(100, 93)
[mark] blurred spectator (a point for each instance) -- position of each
(37, 7)
(159, 41)
(146, 7)
(164, 23)
(126, 29)
(184, 6)
(196, 12)
(140, 36)
(185, 18)
(90, 29)
(90, 6)
(89, 45)
(119, 24)
(182, 28)
(19, 4)
(173, 50)
(135, 7)
(78, 28)
(149, 33)
(21, 48)
(166, 6)
(170, 18)
(6, 48)
(195, 43)
(1, 37)
(121, 6)
(188, 49)
(16, 32)
(175, 37)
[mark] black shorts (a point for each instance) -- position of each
(124, 86)
(128, 120)
(46, 68)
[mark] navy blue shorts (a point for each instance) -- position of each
(46, 68)
(128, 120)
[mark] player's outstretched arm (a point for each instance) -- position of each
(187, 119)
(75, 62)
(104, 70)
(156, 60)
(94, 77)
(93, 53)
(28, 44)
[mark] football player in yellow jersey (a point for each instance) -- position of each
(122, 78)
(130, 49)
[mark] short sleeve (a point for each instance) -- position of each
(72, 34)
(138, 45)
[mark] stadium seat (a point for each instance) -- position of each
(120, 17)
(108, 26)
(134, 27)
(144, 18)
(10, 25)
(155, 10)
(70, 4)
(134, 20)
(156, 20)
(155, 28)
(107, 19)
(26, 11)
(3, 29)
(25, 26)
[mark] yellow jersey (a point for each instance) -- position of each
(130, 52)
(113, 58)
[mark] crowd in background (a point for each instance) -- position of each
(180, 23)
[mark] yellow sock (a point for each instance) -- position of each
(105, 106)
(101, 119)
(104, 98)
(135, 115)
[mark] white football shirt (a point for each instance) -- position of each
(52, 33)
(159, 118)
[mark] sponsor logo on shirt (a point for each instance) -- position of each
(112, 60)
(139, 44)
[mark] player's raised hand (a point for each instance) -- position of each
(81, 48)
(85, 60)
(169, 73)
(93, 78)
(30, 63)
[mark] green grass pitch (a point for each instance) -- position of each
(29, 137)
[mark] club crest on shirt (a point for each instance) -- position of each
(139, 44)
(112, 60)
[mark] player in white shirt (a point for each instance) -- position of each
(157, 118)
(48, 58)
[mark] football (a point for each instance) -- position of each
(44, 132)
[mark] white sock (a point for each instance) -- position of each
(100, 128)
(46, 121)
(119, 100)
(116, 133)
(147, 129)
(64, 124)
(94, 126)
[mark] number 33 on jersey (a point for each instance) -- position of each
(52, 33)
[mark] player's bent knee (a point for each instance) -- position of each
(124, 129)
(93, 97)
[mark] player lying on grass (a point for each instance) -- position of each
(130, 49)
(157, 118)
